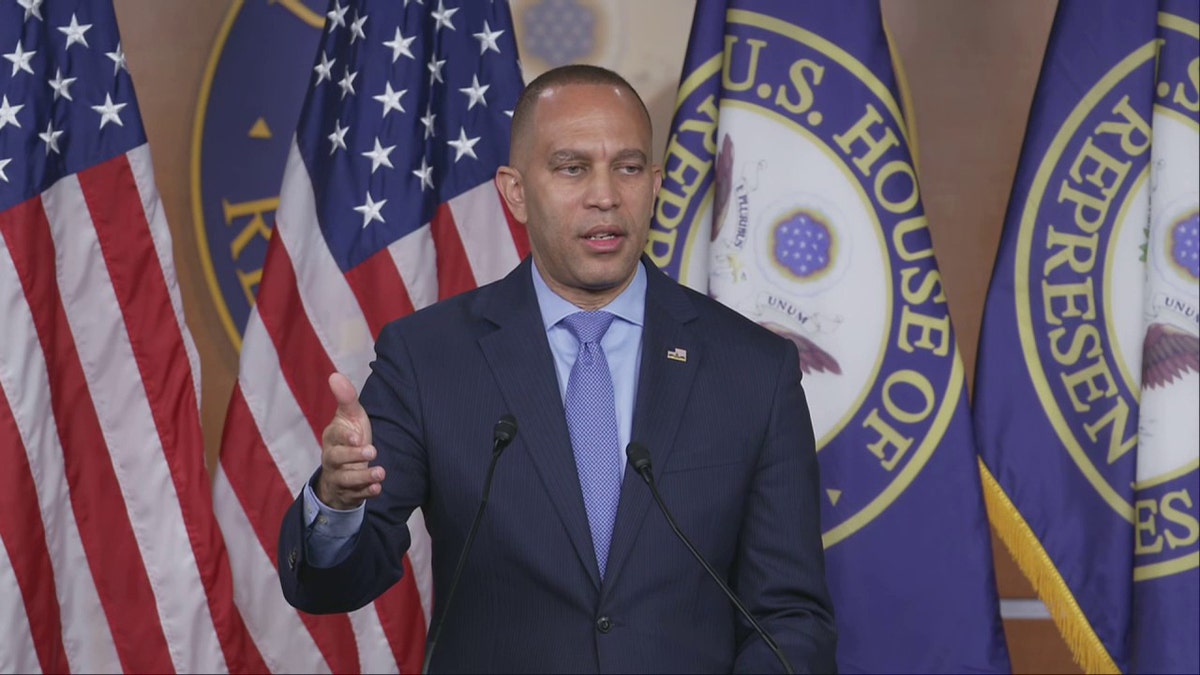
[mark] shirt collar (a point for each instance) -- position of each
(629, 306)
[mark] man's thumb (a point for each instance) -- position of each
(344, 393)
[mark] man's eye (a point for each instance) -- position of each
(631, 169)
(572, 170)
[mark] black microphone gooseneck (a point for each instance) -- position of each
(502, 434)
(639, 459)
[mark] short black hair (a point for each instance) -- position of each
(577, 73)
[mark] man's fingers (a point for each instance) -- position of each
(352, 498)
(350, 456)
(349, 481)
(347, 477)
(346, 487)
(342, 431)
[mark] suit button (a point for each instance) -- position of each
(603, 624)
(292, 559)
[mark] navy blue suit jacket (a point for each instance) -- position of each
(733, 454)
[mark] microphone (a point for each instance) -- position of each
(503, 433)
(639, 459)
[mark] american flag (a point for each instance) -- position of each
(111, 559)
(387, 206)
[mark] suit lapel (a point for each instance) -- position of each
(519, 356)
(663, 387)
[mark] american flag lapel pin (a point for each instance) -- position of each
(677, 354)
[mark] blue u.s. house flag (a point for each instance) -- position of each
(790, 195)
(1087, 394)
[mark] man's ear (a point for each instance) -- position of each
(656, 171)
(512, 188)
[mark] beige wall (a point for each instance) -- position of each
(971, 68)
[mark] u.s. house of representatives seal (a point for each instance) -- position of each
(250, 100)
(1108, 253)
(801, 164)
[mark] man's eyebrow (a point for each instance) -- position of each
(632, 153)
(567, 156)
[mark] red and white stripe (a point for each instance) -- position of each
(113, 560)
(309, 320)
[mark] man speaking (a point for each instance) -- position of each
(589, 350)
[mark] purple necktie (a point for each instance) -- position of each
(592, 419)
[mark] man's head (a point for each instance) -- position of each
(582, 180)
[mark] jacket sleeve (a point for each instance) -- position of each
(780, 570)
(376, 561)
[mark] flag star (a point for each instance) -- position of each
(32, 8)
(475, 92)
(425, 173)
(435, 69)
(336, 16)
(347, 82)
(379, 156)
(370, 210)
(4, 163)
(338, 137)
(419, 2)
(61, 85)
(399, 46)
(442, 16)
(324, 69)
(356, 27)
(390, 99)
(464, 145)
(427, 120)
(8, 113)
(110, 112)
(50, 138)
(487, 39)
(118, 57)
(74, 32)
(20, 59)
(509, 113)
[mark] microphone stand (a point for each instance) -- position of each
(503, 434)
(639, 458)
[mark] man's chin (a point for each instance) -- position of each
(607, 282)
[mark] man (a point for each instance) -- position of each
(573, 569)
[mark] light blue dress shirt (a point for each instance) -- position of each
(622, 346)
(331, 532)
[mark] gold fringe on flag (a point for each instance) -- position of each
(1086, 648)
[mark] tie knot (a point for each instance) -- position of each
(588, 327)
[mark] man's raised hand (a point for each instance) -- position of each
(346, 479)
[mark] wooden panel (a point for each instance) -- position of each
(971, 69)
(167, 43)
(1009, 579)
(1036, 647)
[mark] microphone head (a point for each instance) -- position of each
(505, 430)
(639, 457)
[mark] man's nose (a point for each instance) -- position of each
(602, 191)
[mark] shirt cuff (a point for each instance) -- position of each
(331, 532)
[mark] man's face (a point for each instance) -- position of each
(583, 184)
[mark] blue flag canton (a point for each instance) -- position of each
(66, 99)
(410, 106)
